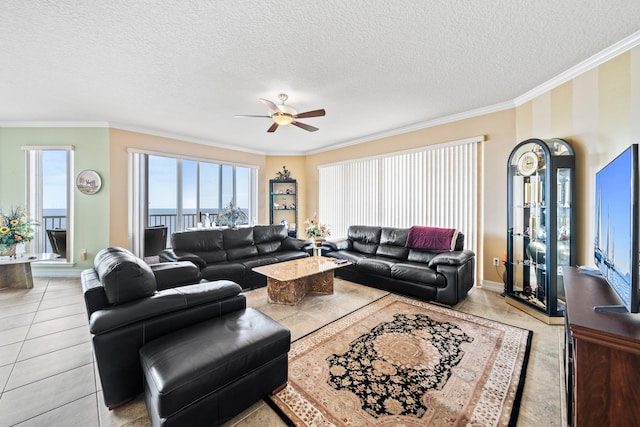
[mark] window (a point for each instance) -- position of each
(177, 193)
(49, 197)
(434, 186)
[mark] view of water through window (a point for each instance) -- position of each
(180, 192)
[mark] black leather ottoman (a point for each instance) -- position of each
(207, 373)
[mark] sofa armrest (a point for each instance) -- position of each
(162, 302)
(294, 244)
(168, 255)
(452, 258)
(171, 255)
(336, 245)
(95, 297)
(173, 274)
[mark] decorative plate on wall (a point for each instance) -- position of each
(88, 182)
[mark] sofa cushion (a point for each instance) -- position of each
(239, 243)
(124, 276)
(352, 256)
(269, 247)
(207, 244)
(392, 243)
(258, 261)
(379, 266)
(364, 238)
(416, 255)
(268, 238)
(224, 270)
(417, 272)
(282, 256)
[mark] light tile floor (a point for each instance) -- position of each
(48, 374)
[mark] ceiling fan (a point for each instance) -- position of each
(284, 115)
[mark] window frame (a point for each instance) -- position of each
(35, 191)
(139, 191)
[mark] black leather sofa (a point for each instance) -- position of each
(232, 253)
(130, 303)
(380, 259)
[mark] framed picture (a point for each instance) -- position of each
(88, 182)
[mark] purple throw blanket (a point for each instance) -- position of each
(432, 239)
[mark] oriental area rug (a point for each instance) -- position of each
(399, 361)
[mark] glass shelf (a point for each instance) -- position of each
(284, 192)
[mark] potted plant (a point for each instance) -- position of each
(316, 231)
(232, 216)
(15, 227)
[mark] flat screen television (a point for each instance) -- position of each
(616, 228)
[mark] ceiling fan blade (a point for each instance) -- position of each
(243, 116)
(270, 105)
(314, 113)
(305, 126)
(273, 128)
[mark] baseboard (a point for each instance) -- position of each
(492, 286)
(56, 272)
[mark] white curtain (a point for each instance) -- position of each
(434, 185)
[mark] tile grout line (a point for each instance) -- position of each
(44, 378)
(4, 388)
(52, 409)
(13, 365)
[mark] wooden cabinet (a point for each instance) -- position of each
(539, 237)
(602, 355)
(283, 203)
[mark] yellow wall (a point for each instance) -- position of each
(297, 166)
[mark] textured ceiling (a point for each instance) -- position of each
(185, 68)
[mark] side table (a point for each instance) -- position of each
(15, 272)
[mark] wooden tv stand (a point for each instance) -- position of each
(602, 355)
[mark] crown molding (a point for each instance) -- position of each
(588, 64)
(169, 135)
(419, 126)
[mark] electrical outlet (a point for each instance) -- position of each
(496, 261)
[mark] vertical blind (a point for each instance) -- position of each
(435, 186)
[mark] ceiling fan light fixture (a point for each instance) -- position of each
(283, 115)
(282, 118)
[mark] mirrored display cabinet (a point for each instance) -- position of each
(540, 193)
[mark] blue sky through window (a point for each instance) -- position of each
(163, 185)
(54, 182)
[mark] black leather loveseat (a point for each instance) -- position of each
(232, 253)
(380, 258)
(130, 303)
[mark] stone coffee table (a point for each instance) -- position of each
(288, 282)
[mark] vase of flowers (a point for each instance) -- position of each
(316, 231)
(15, 227)
(232, 216)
